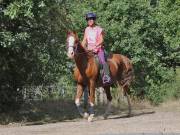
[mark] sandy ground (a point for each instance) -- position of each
(157, 121)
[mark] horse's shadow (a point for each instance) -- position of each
(132, 115)
(122, 113)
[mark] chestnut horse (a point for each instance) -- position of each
(87, 70)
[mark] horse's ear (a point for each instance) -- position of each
(68, 32)
(75, 33)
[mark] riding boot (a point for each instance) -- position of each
(106, 76)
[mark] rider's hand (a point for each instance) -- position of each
(98, 46)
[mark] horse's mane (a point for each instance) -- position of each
(87, 53)
(80, 48)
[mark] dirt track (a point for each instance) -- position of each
(144, 121)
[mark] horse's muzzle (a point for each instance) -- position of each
(70, 55)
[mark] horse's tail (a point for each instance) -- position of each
(128, 75)
(128, 78)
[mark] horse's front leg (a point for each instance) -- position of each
(78, 97)
(91, 100)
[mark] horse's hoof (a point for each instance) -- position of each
(105, 116)
(129, 115)
(86, 115)
(90, 118)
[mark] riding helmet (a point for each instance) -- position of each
(91, 15)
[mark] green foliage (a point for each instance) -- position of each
(18, 8)
(32, 51)
(167, 15)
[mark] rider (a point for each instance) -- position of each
(93, 37)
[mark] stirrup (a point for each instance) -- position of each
(106, 79)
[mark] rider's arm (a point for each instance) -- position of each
(84, 42)
(101, 40)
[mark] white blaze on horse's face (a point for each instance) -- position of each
(71, 42)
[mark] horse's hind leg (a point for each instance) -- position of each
(109, 98)
(125, 90)
(86, 96)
